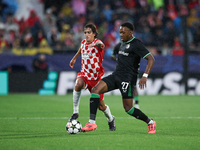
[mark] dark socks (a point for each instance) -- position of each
(138, 114)
(94, 104)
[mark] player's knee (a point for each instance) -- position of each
(79, 86)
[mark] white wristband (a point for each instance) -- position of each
(145, 75)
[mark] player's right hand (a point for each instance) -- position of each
(72, 62)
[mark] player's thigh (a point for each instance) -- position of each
(126, 87)
(100, 88)
(110, 81)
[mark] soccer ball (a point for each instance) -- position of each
(73, 127)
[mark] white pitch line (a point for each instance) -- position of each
(60, 118)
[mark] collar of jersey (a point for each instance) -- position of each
(90, 42)
(129, 40)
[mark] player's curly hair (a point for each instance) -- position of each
(92, 27)
(128, 25)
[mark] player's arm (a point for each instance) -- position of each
(72, 62)
(98, 43)
(115, 52)
(150, 62)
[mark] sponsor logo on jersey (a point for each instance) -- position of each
(123, 53)
(86, 55)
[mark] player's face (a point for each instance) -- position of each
(125, 33)
(89, 35)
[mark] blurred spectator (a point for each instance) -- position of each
(159, 39)
(169, 32)
(172, 12)
(69, 41)
(3, 42)
(40, 64)
(53, 36)
(66, 9)
(39, 37)
(26, 38)
(12, 30)
(58, 48)
(49, 21)
(130, 3)
(32, 19)
(79, 7)
(108, 12)
(177, 49)
(192, 18)
(30, 49)
(146, 36)
(144, 3)
(103, 30)
(65, 31)
(183, 10)
(22, 26)
(193, 4)
(17, 49)
(78, 36)
(99, 17)
(165, 50)
(44, 47)
(11, 24)
(92, 5)
(193, 49)
(189, 37)
(61, 20)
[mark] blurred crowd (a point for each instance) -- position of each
(158, 23)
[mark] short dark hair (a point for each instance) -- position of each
(128, 25)
(93, 28)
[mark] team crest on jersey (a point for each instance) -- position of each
(127, 46)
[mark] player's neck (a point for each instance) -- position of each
(130, 40)
(89, 42)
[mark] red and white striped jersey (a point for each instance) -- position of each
(92, 59)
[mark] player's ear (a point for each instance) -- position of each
(130, 33)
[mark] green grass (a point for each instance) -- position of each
(33, 122)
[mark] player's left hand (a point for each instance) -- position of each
(142, 83)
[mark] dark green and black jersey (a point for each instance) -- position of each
(129, 56)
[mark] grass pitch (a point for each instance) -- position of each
(33, 122)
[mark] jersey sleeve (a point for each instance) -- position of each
(103, 46)
(141, 50)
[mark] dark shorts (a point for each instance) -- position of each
(124, 83)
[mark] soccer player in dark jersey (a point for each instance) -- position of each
(135, 91)
(130, 52)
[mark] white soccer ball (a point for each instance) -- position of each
(73, 127)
